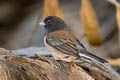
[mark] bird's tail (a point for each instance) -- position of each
(87, 55)
(93, 60)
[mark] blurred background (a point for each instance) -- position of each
(94, 22)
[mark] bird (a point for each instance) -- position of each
(63, 45)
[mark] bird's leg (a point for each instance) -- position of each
(72, 65)
(50, 60)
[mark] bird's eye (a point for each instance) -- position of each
(49, 22)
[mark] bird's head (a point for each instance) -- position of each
(53, 23)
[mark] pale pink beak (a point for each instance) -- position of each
(42, 23)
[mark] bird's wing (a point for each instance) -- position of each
(63, 42)
(67, 43)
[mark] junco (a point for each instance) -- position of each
(63, 45)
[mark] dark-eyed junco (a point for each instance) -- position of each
(65, 46)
